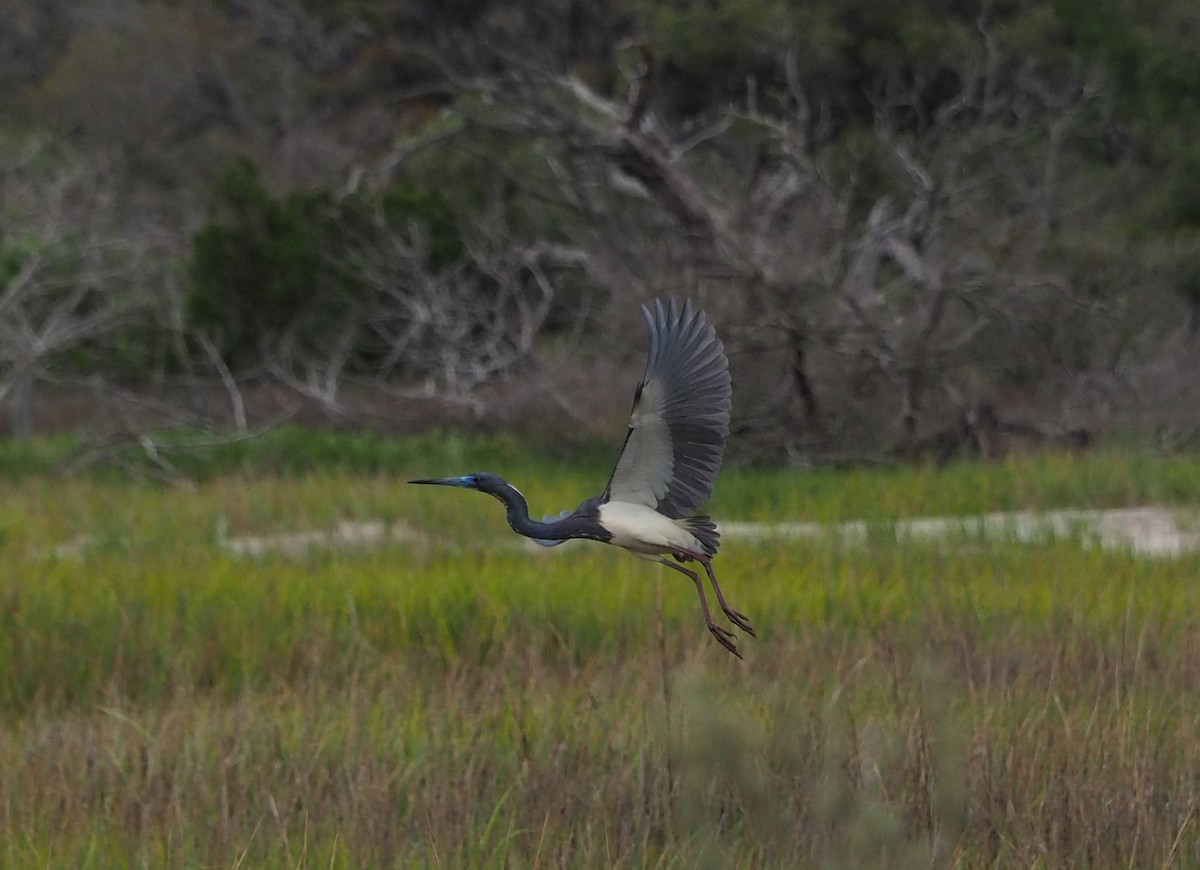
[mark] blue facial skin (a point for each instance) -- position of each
(466, 481)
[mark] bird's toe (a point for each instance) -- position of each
(725, 638)
(741, 621)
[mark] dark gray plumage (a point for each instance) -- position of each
(680, 416)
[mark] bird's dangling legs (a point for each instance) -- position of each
(738, 619)
(723, 635)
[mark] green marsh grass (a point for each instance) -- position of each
(448, 699)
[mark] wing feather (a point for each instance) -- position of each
(680, 416)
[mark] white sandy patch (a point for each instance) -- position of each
(1148, 531)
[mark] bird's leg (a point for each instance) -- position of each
(723, 636)
(738, 619)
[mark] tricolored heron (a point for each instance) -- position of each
(672, 452)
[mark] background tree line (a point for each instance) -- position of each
(923, 227)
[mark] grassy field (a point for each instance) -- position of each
(447, 700)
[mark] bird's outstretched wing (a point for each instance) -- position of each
(680, 416)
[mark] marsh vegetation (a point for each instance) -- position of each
(445, 701)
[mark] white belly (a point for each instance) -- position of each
(645, 531)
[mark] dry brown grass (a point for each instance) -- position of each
(896, 750)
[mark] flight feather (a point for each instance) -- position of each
(680, 416)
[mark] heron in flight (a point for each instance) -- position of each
(672, 452)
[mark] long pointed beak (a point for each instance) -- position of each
(444, 481)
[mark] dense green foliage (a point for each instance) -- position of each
(265, 268)
(261, 262)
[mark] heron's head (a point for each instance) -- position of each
(480, 480)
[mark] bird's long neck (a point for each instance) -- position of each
(519, 521)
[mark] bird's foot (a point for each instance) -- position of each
(724, 638)
(740, 620)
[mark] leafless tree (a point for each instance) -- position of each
(898, 283)
(68, 279)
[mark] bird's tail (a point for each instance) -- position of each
(705, 531)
